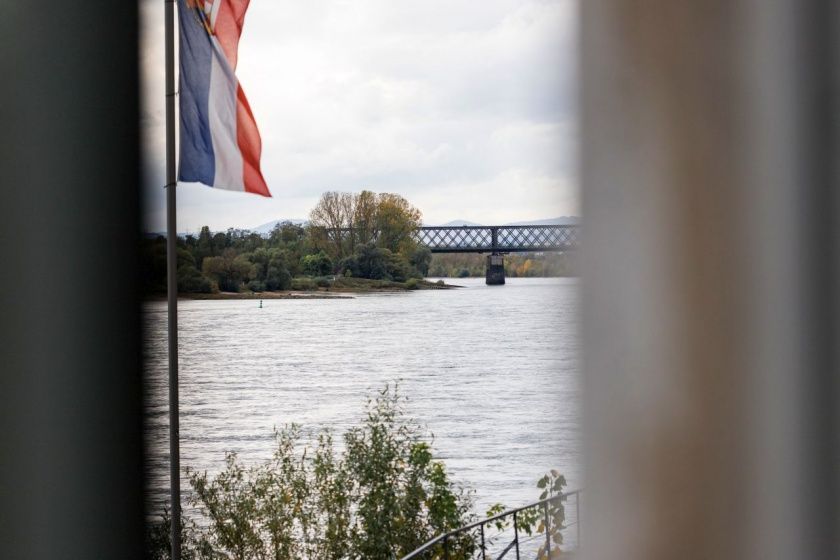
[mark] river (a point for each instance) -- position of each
(491, 371)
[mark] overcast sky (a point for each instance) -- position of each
(465, 108)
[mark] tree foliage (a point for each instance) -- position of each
(376, 263)
(374, 231)
(318, 264)
(342, 222)
(228, 270)
(378, 499)
(462, 265)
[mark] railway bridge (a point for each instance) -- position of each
(496, 241)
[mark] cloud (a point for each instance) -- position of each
(466, 110)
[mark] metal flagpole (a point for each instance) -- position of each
(172, 284)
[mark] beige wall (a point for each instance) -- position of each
(707, 307)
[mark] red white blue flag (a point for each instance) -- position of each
(220, 144)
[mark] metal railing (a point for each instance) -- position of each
(447, 546)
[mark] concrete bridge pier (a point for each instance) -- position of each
(495, 275)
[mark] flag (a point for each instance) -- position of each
(219, 142)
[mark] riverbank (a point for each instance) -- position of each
(362, 285)
(322, 288)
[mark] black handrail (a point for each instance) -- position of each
(442, 539)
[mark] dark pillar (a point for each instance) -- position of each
(495, 270)
(71, 472)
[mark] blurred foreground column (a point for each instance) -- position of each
(70, 387)
(710, 281)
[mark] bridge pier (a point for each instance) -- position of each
(495, 275)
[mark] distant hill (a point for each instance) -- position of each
(559, 221)
(458, 223)
(267, 227)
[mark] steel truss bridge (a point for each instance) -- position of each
(499, 239)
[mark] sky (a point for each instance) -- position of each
(467, 109)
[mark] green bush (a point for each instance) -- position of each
(420, 259)
(229, 270)
(324, 281)
(278, 277)
(318, 264)
(412, 284)
(381, 498)
(256, 286)
(377, 263)
(190, 280)
(532, 521)
(304, 284)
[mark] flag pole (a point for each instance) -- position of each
(172, 283)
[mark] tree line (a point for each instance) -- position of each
(361, 235)
(517, 265)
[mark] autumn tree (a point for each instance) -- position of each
(364, 212)
(396, 222)
(327, 220)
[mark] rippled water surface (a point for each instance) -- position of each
(490, 370)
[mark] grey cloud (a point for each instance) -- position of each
(462, 109)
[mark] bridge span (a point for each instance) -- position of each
(498, 240)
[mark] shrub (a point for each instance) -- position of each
(304, 284)
(228, 270)
(420, 259)
(412, 284)
(256, 286)
(367, 262)
(324, 281)
(190, 280)
(376, 263)
(318, 264)
(532, 521)
(380, 499)
(278, 277)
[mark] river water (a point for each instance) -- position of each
(491, 371)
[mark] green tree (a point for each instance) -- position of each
(318, 264)
(376, 263)
(420, 259)
(220, 242)
(277, 275)
(368, 262)
(204, 246)
(228, 270)
(259, 258)
(402, 496)
(287, 235)
(190, 280)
